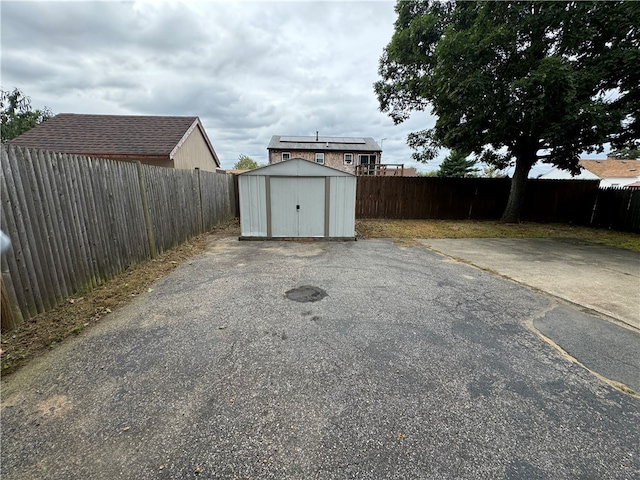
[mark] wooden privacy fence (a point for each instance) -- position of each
(574, 201)
(466, 198)
(617, 209)
(76, 221)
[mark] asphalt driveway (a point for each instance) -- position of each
(412, 366)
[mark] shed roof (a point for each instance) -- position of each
(297, 167)
(612, 168)
(360, 144)
(113, 135)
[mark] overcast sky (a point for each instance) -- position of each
(249, 70)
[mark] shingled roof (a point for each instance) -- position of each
(612, 168)
(113, 136)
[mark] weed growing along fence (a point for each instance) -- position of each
(75, 221)
(563, 201)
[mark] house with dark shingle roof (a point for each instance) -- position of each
(174, 142)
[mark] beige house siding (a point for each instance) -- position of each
(331, 159)
(194, 153)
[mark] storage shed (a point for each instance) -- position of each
(297, 199)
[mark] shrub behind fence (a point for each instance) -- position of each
(75, 221)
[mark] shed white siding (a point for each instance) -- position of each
(342, 207)
(253, 206)
(297, 198)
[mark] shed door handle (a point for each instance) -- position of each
(297, 207)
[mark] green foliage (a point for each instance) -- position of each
(17, 115)
(515, 81)
(457, 165)
(245, 163)
(431, 173)
(626, 154)
(490, 171)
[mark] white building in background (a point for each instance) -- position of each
(611, 172)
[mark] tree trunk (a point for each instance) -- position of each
(516, 194)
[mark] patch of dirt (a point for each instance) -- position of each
(44, 331)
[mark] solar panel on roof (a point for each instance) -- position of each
(342, 140)
(356, 140)
(297, 139)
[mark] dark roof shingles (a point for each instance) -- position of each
(107, 134)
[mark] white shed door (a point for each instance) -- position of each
(297, 206)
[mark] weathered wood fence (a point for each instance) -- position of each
(564, 201)
(617, 209)
(75, 221)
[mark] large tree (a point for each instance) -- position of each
(17, 116)
(515, 82)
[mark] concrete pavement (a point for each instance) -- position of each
(603, 279)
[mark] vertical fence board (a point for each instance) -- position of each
(78, 220)
(120, 203)
(35, 229)
(47, 278)
(8, 225)
(52, 170)
(42, 194)
(70, 225)
(87, 227)
(23, 238)
(96, 216)
(53, 226)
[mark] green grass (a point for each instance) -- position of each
(405, 229)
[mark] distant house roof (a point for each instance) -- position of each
(612, 168)
(113, 136)
(558, 174)
(633, 185)
(361, 144)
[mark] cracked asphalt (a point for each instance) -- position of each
(412, 366)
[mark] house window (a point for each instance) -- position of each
(368, 163)
(320, 158)
(286, 156)
(348, 158)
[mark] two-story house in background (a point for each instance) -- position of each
(356, 155)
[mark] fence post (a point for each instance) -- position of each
(145, 211)
(201, 205)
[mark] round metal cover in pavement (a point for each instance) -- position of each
(306, 293)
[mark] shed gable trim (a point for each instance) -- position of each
(297, 167)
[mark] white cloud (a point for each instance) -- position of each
(248, 70)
